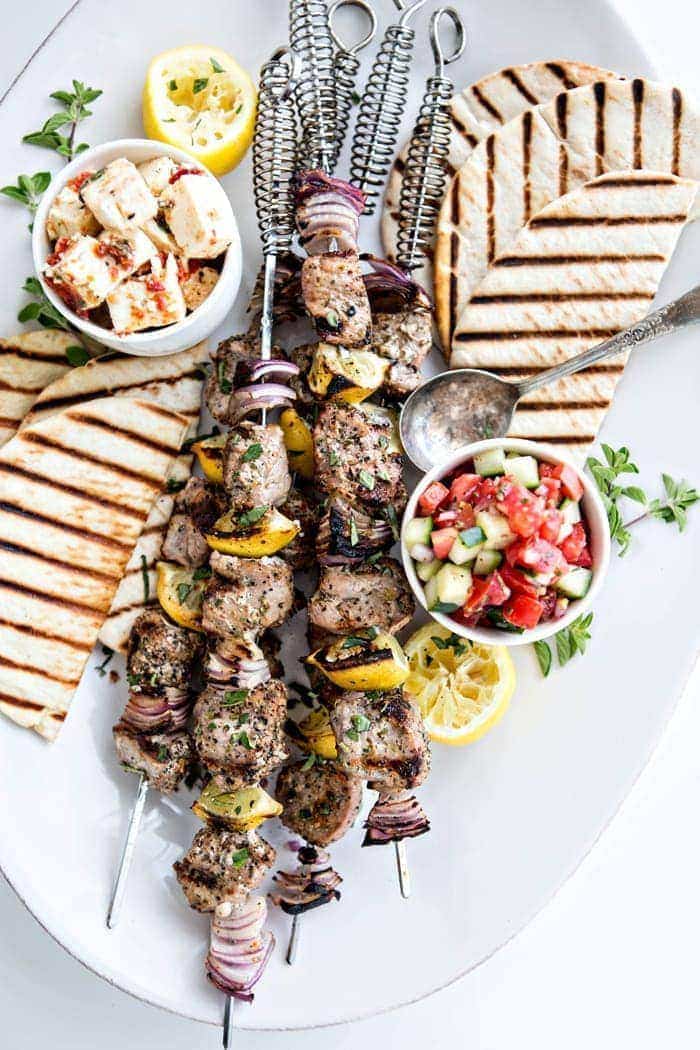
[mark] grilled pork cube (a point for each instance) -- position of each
(336, 298)
(240, 733)
(198, 284)
(118, 197)
(302, 356)
(349, 598)
(406, 338)
(156, 173)
(222, 865)
(256, 471)
(246, 595)
(353, 456)
(68, 216)
(199, 215)
(81, 272)
(196, 509)
(229, 354)
(160, 654)
(320, 803)
(381, 738)
(300, 553)
(150, 301)
(164, 758)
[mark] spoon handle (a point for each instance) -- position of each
(670, 318)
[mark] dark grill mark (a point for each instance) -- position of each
(533, 370)
(638, 99)
(18, 548)
(51, 599)
(34, 632)
(454, 203)
(569, 260)
(93, 395)
(562, 127)
(47, 442)
(607, 220)
(71, 490)
(454, 283)
(14, 701)
(4, 662)
(94, 537)
(559, 297)
(8, 421)
(134, 605)
(19, 389)
(599, 91)
(559, 406)
(630, 179)
(485, 104)
(35, 355)
(517, 83)
(552, 333)
(138, 439)
(560, 73)
(527, 149)
(400, 165)
(490, 195)
(677, 116)
(461, 129)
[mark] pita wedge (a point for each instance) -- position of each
(75, 491)
(477, 111)
(614, 125)
(28, 363)
(584, 267)
(175, 381)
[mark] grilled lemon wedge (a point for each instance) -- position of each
(299, 442)
(318, 734)
(254, 534)
(210, 453)
(243, 810)
(368, 660)
(199, 99)
(180, 594)
(346, 375)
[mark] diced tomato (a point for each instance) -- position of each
(572, 547)
(547, 470)
(442, 540)
(551, 526)
(536, 554)
(570, 481)
(525, 512)
(517, 581)
(469, 619)
(433, 496)
(463, 486)
(478, 595)
(498, 592)
(550, 491)
(585, 560)
(484, 494)
(523, 611)
(465, 516)
(445, 517)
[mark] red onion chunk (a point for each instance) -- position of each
(390, 289)
(240, 946)
(328, 213)
(392, 819)
(240, 674)
(315, 883)
(253, 398)
(168, 710)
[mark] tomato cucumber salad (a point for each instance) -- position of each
(502, 542)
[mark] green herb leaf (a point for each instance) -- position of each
(234, 697)
(108, 654)
(163, 753)
(173, 485)
(354, 535)
(202, 573)
(544, 656)
(250, 517)
(240, 856)
(172, 85)
(444, 607)
(244, 741)
(572, 640)
(183, 592)
(252, 453)
(361, 723)
(77, 355)
(310, 761)
(199, 84)
(334, 459)
(145, 578)
(367, 479)
(215, 66)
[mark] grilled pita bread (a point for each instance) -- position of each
(75, 491)
(614, 125)
(586, 266)
(28, 363)
(175, 381)
(477, 111)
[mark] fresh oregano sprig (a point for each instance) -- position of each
(75, 109)
(45, 313)
(568, 642)
(28, 190)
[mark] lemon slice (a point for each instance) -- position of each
(346, 375)
(260, 532)
(180, 594)
(378, 662)
(210, 453)
(299, 442)
(199, 99)
(462, 688)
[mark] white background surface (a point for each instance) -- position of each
(611, 962)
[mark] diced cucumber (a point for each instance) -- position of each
(490, 463)
(486, 562)
(571, 514)
(418, 531)
(461, 553)
(525, 470)
(431, 594)
(472, 537)
(453, 585)
(496, 530)
(425, 570)
(575, 583)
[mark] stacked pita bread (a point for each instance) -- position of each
(28, 363)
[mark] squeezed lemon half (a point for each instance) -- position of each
(181, 593)
(199, 99)
(462, 688)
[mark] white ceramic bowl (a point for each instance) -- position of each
(595, 516)
(197, 325)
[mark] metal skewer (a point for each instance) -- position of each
(346, 66)
(310, 39)
(119, 889)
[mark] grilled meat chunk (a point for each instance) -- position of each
(349, 598)
(353, 456)
(165, 758)
(222, 865)
(336, 298)
(347, 534)
(381, 738)
(406, 338)
(240, 733)
(160, 653)
(246, 595)
(299, 554)
(302, 356)
(256, 473)
(219, 386)
(196, 510)
(320, 803)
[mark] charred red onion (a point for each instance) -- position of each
(392, 819)
(168, 710)
(327, 210)
(288, 304)
(347, 534)
(314, 884)
(244, 672)
(391, 289)
(240, 947)
(254, 398)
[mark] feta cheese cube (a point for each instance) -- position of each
(68, 215)
(128, 251)
(119, 198)
(81, 273)
(150, 301)
(156, 173)
(198, 284)
(199, 215)
(160, 236)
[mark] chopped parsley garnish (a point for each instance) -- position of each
(225, 384)
(252, 453)
(173, 485)
(311, 759)
(183, 592)
(216, 66)
(108, 654)
(367, 479)
(244, 741)
(354, 536)
(163, 753)
(453, 642)
(239, 858)
(202, 573)
(361, 723)
(334, 459)
(234, 697)
(133, 679)
(199, 84)
(251, 516)
(354, 640)
(172, 85)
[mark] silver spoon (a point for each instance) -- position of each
(469, 404)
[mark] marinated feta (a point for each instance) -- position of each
(118, 197)
(149, 301)
(199, 215)
(68, 215)
(156, 173)
(128, 250)
(161, 236)
(81, 272)
(198, 284)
